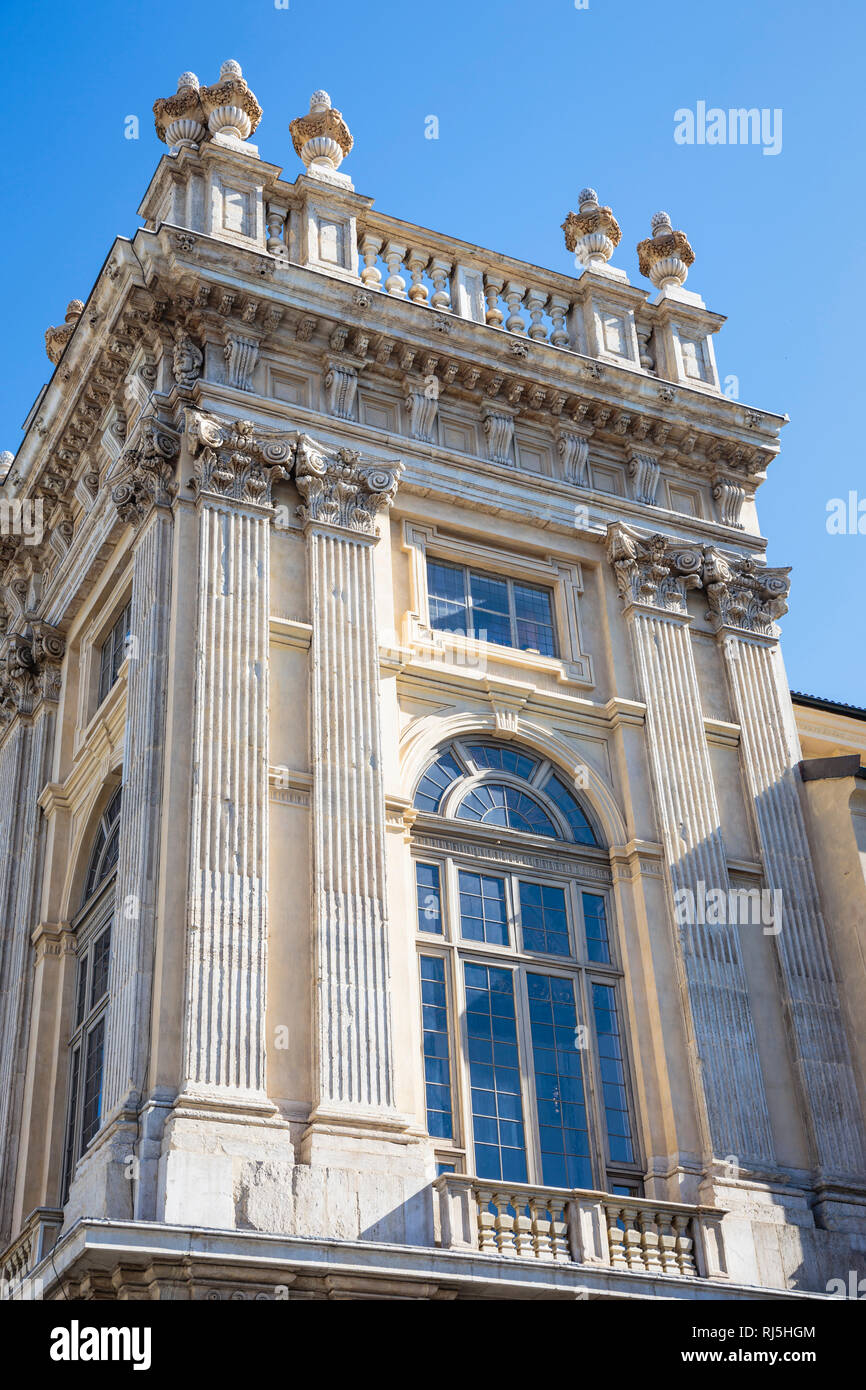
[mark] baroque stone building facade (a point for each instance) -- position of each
(411, 881)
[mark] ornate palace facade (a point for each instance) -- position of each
(411, 884)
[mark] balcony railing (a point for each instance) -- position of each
(633, 1234)
(37, 1237)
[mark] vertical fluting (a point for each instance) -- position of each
(227, 941)
(23, 773)
(353, 1021)
(811, 995)
(133, 930)
(718, 996)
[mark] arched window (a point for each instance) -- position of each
(523, 1039)
(92, 949)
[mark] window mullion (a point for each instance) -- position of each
(592, 1083)
(512, 611)
(531, 1135)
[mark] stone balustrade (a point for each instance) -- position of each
(632, 1234)
(36, 1238)
(456, 277)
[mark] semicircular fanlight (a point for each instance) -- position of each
(495, 803)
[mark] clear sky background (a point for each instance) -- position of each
(535, 99)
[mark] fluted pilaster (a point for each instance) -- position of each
(138, 858)
(653, 577)
(354, 1043)
(745, 602)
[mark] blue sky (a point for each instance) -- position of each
(534, 101)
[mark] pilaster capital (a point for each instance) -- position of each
(30, 668)
(146, 478)
(236, 462)
(340, 489)
(744, 596)
(653, 572)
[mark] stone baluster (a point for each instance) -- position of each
(503, 1224)
(416, 262)
(514, 295)
(632, 1238)
(667, 1244)
(559, 1233)
(653, 576)
(276, 225)
(439, 272)
(542, 1229)
(615, 1240)
(393, 255)
(521, 1227)
(492, 290)
(535, 302)
(371, 275)
(354, 1047)
(684, 1246)
(650, 1240)
(487, 1233)
(558, 308)
(745, 600)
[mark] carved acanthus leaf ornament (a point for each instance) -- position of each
(233, 460)
(147, 469)
(339, 489)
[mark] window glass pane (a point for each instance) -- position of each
(429, 897)
(99, 967)
(497, 804)
(562, 1121)
(435, 782)
(434, 1009)
(595, 921)
(70, 1155)
(543, 919)
(92, 1104)
(81, 991)
(612, 1074)
(503, 759)
(445, 1168)
(482, 909)
(532, 610)
(494, 1074)
(446, 595)
(570, 808)
(491, 620)
(95, 860)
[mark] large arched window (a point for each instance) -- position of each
(523, 1039)
(92, 949)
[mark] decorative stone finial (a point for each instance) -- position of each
(665, 257)
(7, 458)
(228, 110)
(57, 338)
(321, 138)
(231, 109)
(592, 233)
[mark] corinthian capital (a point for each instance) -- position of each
(743, 594)
(339, 489)
(30, 667)
(146, 477)
(652, 571)
(234, 460)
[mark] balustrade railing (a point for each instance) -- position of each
(635, 1234)
(456, 277)
(29, 1247)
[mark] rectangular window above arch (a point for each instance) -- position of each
(469, 600)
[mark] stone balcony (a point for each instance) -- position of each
(560, 1226)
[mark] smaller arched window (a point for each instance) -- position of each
(93, 953)
(103, 855)
(534, 800)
